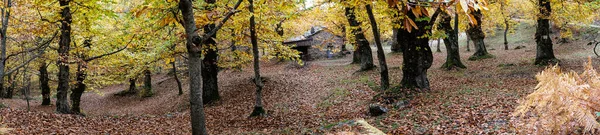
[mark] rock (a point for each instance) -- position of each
(377, 110)
(401, 104)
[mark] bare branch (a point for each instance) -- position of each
(42, 46)
(207, 36)
(41, 52)
(111, 53)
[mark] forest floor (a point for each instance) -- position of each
(326, 96)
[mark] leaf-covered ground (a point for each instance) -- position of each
(325, 97)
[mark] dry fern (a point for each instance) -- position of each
(562, 103)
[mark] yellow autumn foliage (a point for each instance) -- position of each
(562, 103)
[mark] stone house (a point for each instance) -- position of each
(318, 43)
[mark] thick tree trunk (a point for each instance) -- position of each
(366, 56)
(210, 70)
(451, 43)
(258, 107)
(175, 74)
(148, 92)
(79, 88)
(44, 83)
(417, 54)
(476, 34)
(62, 103)
(545, 53)
(132, 87)
(385, 79)
(195, 66)
(5, 17)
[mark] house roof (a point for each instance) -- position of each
(307, 35)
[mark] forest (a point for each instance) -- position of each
(335, 67)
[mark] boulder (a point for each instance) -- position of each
(377, 110)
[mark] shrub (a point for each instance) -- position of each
(562, 103)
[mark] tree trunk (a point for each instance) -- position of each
(476, 34)
(451, 43)
(385, 79)
(11, 87)
(194, 69)
(417, 54)
(147, 84)
(5, 17)
(2, 89)
(176, 77)
(505, 32)
(79, 88)
(132, 86)
(506, 24)
(468, 40)
(355, 55)
(366, 56)
(210, 70)
(343, 46)
(62, 103)
(438, 45)
(545, 53)
(44, 83)
(26, 90)
(258, 107)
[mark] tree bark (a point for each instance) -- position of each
(355, 55)
(26, 90)
(417, 54)
(11, 87)
(451, 43)
(79, 88)
(148, 92)
(505, 32)
(5, 17)
(438, 45)
(545, 53)
(506, 24)
(476, 34)
(175, 74)
(132, 86)
(366, 56)
(343, 46)
(62, 103)
(468, 42)
(258, 107)
(195, 66)
(210, 70)
(44, 83)
(385, 79)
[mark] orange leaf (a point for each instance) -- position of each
(412, 23)
(472, 19)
